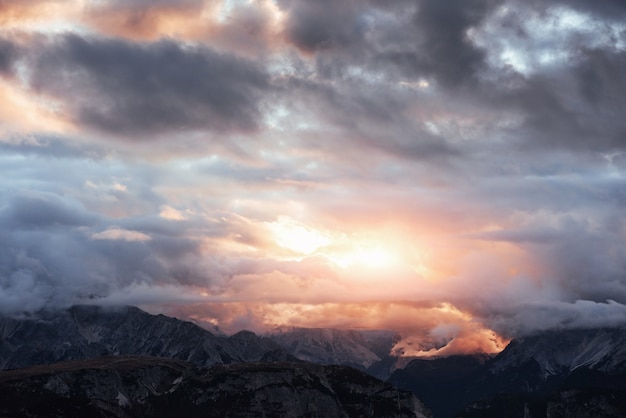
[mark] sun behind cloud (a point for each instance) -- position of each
(297, 237)
(345, 250)
(368, 255)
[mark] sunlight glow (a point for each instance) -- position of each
(352, 251)
(290, 234)
(365, 256)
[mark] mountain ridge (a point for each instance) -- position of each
(557, 370)
(87, 331)
(140, 386)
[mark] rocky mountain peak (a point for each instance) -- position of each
(83, 332)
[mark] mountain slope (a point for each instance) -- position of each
(558, 371)
(358, 349)
(84, 332)
(439, 381)
(130, 386)
(565, 351)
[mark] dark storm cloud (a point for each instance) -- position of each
(574, 107)
(370, 116)
(8, 55)
(122, 87)
(324, 24)
(446, 52)
(432, 43)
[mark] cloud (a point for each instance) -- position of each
(139, 89)
(8, 54)
(16, 10)
(612, 9)
(324, 25)
(121, 234)
(532, 318)
(452, 169)
(446, 52)
(143, 19)
(34, 210)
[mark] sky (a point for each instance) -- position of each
(454, 170)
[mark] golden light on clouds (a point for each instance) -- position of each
(297, 237)
(370, 255)
(23, 112)
(290, 163)
(426, 330)
(346, 250)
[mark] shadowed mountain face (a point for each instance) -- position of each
(84, 332)
(556, 373)
(439, 382)
(356, 348)
(131, 386)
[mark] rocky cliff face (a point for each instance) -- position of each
(84, 332)
(558, 352)
(359, 349)
(130, 386)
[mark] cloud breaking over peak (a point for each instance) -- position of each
(453, 170)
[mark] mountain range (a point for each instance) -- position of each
(83, 332)
(565, 373)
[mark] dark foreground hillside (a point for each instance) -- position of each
(561, 373)
(135, 386)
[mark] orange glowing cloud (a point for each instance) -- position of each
(40, 15)
(23, 112)
(388, 275)
(144, 21)
(426, 330)
(246, 29)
